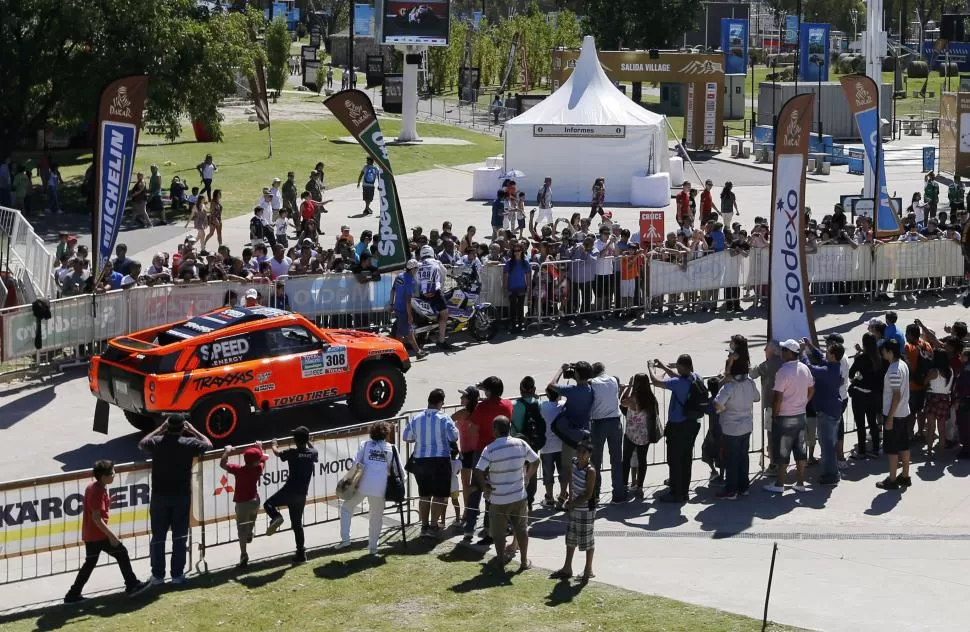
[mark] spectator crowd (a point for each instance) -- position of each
(908, 388)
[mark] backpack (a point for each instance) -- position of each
(533, 426)
(698, 400)
(370, 174)
(921, 368)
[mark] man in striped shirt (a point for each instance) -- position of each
(504, 459)
(432, 432)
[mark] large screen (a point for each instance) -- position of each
(418, 23)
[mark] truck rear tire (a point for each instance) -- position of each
(144, 423)
(221, 415)
(378, 391)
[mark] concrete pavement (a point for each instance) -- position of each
(852, 558)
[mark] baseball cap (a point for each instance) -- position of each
(254, 455)
(471, 392)
(190, 239)
(71, 239)
(791, 345)
(307, 241)
(252, 293)
(344, 228)
(412, 264)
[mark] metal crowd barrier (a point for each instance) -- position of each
(25, 255)
(624, 285)
(41, 517)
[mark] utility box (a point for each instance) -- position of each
(734, 97)
(837, 119)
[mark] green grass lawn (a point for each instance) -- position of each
(297, 146)
(440, 590)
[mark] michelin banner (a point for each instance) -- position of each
(734, 43)
(119, 119)
(863, 97)
(813, 55)
(790, 314)
(354, 109)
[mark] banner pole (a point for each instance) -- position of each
(692, 165)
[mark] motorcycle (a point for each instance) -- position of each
(465, 313)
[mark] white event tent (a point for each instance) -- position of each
(584, 130)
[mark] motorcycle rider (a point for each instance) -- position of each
(430, 276)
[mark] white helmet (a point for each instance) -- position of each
(426, 252)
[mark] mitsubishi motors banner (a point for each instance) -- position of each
(353, 108)
(212, 502)
(119, 118)
(790, 310)
(734, 43)
(863, 97)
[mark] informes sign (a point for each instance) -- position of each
(392, 96)
(710, 114)
(355, 112)
(790, 313)
(791, 29)
(813, 57)
(580, 131)
(651, 228)
(119, 119)
(375, 70)
(363, 20)
(422, 23)
(734, 43)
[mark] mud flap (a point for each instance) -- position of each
(101, 409)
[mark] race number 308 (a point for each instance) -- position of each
(335, 359)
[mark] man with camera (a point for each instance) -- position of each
(686, 392)
(606, 428)
(174, 446)
(573, 425)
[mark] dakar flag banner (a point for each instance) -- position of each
(119, 119)
(353, 108)
(790, 313)
(863, 96)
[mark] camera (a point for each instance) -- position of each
(569, 371)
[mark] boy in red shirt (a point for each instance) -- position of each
(98, 536)
(683, 202)
(245, 494)
(707, 202)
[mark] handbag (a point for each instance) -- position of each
(347, 486)
(394, 492)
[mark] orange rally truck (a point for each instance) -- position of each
(222, 367)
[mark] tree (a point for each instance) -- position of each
(276, 41)
(59, 54)
(639, 24)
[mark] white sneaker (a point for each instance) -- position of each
(274, 525)
(774, 488)
(156, 581)
(341, 545)
(800, 487)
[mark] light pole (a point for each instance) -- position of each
(821, 62)
(855, 24)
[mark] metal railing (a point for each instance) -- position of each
(25, 256)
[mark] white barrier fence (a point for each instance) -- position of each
(833, 270)
(25, 255)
